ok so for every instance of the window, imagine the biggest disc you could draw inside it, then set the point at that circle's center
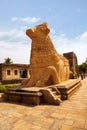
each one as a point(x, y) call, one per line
point(8, 72)
point(15, 72)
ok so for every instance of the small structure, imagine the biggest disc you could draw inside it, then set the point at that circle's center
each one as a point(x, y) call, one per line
point(10, 73)
point(71, 56)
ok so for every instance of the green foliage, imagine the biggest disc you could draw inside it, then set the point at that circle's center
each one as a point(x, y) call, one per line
point(4, 87)
point(83, 66)
point(8, 61)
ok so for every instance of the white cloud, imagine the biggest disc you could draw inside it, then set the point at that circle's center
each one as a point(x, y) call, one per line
point(82, 37)
point(77, 45)
point(13, 36)
point(14, 44)
point(14, 19)
point(19, 53)
point(28, 20)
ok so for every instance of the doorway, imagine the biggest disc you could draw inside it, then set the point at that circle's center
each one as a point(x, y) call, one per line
point(23, 73)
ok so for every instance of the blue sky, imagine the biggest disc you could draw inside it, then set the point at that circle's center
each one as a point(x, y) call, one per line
point(67, 20)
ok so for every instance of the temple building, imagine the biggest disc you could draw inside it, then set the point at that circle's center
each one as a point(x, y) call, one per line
point(13, 72)
point(71, 56)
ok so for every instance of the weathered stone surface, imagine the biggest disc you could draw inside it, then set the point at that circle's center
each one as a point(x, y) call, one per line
point(51, 95)
point(71, 56)
point(47, 67)
point(70, 114)
point(33, 95)
point(48, 70)
point(69, 87)
point(23, 95)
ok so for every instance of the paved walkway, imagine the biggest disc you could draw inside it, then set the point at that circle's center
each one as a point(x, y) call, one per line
point(70, 115)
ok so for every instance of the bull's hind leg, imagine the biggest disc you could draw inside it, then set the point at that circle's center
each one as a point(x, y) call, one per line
point(48, 72)
point(24, 82)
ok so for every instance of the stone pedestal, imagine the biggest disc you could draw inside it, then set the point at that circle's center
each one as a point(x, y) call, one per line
point(48, 94)
point(68, 88)
point(30, 96)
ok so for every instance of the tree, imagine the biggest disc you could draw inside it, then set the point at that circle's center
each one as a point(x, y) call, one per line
point(8, 61)
point(86, 60)
point(83, 66)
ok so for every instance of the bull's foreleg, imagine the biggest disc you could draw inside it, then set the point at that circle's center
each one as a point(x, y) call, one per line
point(49, 71)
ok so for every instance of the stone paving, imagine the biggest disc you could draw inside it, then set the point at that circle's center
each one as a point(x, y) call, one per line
point(69, 115)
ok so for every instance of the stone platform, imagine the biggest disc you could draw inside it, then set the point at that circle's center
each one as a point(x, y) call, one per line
point(19, 94)
point(68, 88)
point(37, 95)
point(71, 114)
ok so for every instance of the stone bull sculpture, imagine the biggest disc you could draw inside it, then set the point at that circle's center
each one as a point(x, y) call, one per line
point(47, 67)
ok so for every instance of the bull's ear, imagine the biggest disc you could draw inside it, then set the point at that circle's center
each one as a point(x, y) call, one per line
point(47, 31)
point(45, 28)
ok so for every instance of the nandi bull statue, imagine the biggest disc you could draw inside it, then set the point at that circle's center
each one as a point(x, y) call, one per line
point(47, 67)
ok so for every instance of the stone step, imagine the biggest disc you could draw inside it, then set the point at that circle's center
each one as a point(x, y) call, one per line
point(54, 92)
point(51, 96)
point(69, 88)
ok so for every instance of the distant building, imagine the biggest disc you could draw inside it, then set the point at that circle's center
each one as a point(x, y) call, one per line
point(71, 56)
point(13, 72)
